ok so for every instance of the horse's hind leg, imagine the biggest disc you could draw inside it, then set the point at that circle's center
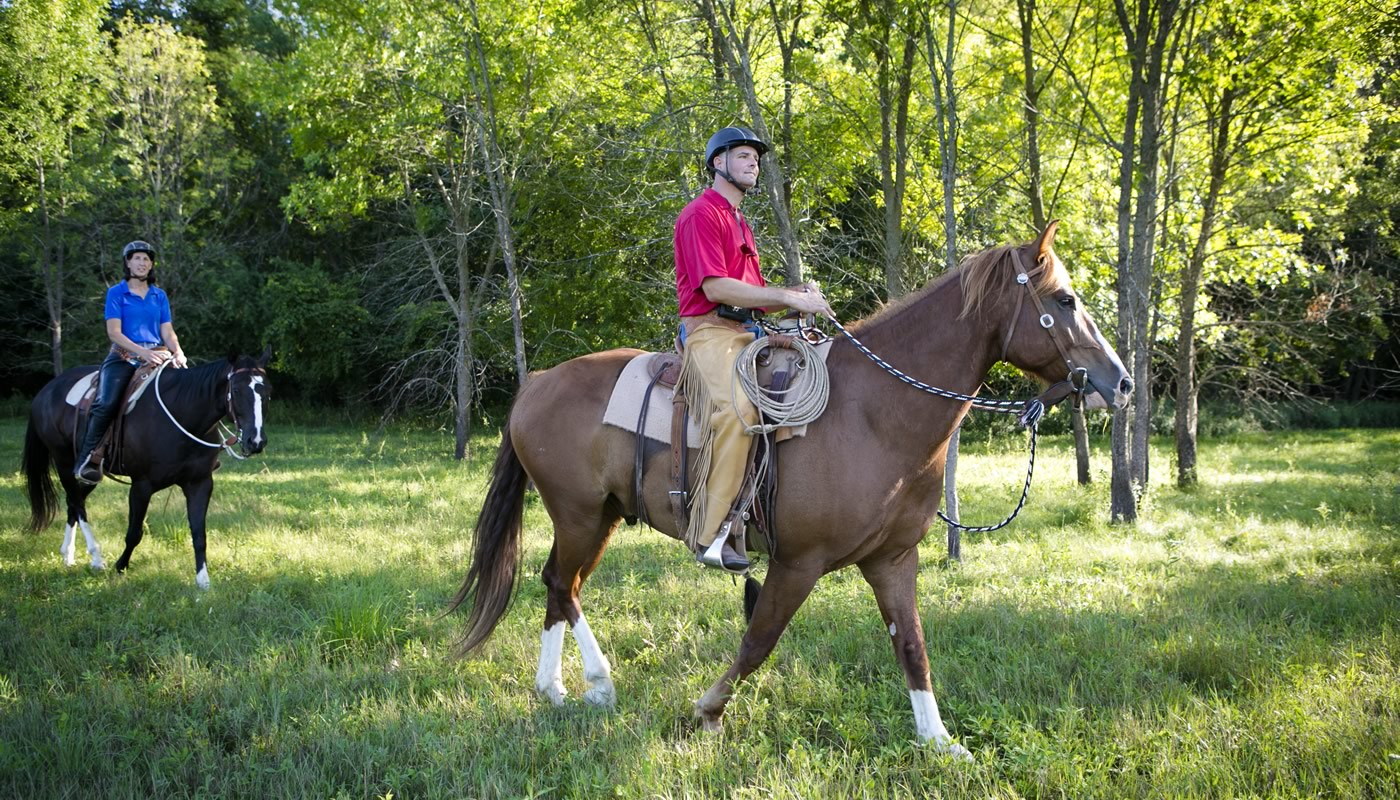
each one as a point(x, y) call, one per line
point(75, 496)
point(782, 594)
point(574, 556)
point(894, 584)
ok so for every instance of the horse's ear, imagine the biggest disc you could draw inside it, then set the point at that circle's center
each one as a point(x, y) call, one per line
point(265, 357)
point(233, 355)
point(1044, 244)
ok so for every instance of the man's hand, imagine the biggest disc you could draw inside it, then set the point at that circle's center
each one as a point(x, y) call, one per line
point(808, 299)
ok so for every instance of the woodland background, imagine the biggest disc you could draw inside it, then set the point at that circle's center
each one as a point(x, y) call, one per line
point(414, 203)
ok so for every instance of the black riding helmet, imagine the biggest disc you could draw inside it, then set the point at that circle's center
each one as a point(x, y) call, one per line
point(726, 138)
point(138, 246)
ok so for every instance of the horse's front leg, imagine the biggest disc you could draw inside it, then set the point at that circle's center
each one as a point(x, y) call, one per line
point(197, 494)
point(783, 591)
point(138, 500)
point(894, 583)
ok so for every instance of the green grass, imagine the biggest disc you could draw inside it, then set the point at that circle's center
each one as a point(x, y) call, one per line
point(1240, 641)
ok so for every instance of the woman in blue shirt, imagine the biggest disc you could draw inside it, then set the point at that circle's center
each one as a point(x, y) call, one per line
point(138, 323)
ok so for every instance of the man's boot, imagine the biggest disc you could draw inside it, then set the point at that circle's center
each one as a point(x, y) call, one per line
point(721, 553)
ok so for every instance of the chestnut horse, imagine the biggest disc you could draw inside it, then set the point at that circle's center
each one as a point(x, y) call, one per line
point(169, 441)
point(868, 491)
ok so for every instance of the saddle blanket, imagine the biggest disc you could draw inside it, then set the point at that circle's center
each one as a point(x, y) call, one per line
point(86, 386)
point(625, 405)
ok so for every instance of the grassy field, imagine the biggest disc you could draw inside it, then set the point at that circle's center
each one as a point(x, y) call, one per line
point(1241, 641)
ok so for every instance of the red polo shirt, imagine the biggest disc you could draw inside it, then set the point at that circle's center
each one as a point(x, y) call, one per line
point(712, 240)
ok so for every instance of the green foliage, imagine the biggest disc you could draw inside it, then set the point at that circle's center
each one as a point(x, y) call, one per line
point(315, 325)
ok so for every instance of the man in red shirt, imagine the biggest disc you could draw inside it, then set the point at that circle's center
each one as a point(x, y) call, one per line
point(720, 291)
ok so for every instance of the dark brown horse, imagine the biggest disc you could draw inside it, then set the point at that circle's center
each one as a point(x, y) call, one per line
point(869, 507)
point(170, 440)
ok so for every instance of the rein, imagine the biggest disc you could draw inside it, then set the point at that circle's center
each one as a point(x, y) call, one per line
point(1029, 412)
point(229, 438)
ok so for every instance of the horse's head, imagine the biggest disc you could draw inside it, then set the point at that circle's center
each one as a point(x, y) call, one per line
point(1048, 333)
point(248, 394)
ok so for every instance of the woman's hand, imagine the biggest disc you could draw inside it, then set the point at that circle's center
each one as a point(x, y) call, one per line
point(155, 357)
point(179, 358)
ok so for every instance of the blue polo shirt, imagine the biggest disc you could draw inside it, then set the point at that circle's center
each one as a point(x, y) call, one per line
point(141, 317)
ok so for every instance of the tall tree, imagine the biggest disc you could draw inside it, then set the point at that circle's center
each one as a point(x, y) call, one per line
point(171, 142)
point(1149, 28)
point(52, 71)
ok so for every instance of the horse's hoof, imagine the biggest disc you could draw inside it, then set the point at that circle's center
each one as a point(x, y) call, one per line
point(98, 562)
point(601, 693)
point(554, 692)
point(201, 579)
point(951, 748)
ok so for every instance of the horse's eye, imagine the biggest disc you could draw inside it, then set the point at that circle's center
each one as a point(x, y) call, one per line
point(1067, 301)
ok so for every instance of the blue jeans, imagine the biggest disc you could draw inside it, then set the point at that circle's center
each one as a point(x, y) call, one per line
point(115, 374)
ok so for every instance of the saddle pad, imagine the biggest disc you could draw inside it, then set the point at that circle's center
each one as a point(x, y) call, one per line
point(625, 405)
point(81, 388)
point(87, 385)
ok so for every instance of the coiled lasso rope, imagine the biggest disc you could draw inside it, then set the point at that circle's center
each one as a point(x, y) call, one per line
point(801, 402)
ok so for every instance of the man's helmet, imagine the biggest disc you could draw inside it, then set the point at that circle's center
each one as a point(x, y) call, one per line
point(138, 246)
point(726, 138)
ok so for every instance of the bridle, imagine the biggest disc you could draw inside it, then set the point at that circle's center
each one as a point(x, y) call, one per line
point(1077, 377)
point(230, 438)
point(1028, 412)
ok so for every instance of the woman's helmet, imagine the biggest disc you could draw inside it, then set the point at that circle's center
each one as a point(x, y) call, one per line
point(138, 246)
point(726, 138)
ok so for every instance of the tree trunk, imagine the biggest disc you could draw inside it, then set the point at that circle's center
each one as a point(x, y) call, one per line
point(946, 119)
point(736, 55)
point(1187, 389)
point(500, 192)
point(1025, 9)
point(894, 90)
point(950, 496)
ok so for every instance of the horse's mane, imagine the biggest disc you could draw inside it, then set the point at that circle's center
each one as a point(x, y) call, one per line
point(197, 384)
point(981, 274)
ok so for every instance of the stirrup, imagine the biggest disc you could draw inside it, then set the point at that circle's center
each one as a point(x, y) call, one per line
point(722, 555)
point(88, 472)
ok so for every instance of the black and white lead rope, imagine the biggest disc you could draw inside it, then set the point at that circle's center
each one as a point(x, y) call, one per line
point(1029, 413)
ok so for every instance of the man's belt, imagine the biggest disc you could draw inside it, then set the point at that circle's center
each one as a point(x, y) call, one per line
point(736, 313)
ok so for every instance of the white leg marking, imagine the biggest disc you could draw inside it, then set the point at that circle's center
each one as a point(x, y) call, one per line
point(929, 725)
point(597, 672)
point(94, 549)
point(549, 679)
point(893, 630)
point(66, 549)
point(257, 411)
point(201, 578)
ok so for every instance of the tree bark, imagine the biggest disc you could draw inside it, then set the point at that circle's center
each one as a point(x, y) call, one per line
point(945, 95)
point(735, 53)
point(1025, 10)
point(1187, 388)
point(950, 496)
point(500, 192)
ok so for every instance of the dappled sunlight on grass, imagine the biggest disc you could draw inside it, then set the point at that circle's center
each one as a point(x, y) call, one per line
point(1240, 637)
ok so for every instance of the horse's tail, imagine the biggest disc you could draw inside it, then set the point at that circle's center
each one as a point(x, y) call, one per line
point(43, 500)
point(496, 553)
